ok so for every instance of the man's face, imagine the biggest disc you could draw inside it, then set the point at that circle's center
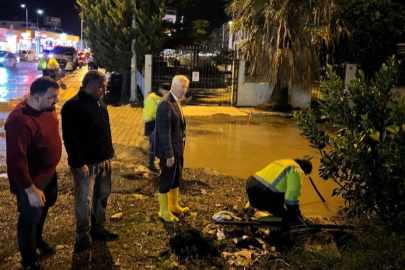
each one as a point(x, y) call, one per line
point(98, 88)
point(48, 100)
point(180, 88)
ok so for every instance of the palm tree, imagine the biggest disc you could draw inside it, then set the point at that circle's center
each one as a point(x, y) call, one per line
point(285, 38)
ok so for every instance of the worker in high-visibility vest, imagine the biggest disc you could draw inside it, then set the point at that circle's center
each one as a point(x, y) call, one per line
point(149, 117)
point(278, 184)
point(48, 65)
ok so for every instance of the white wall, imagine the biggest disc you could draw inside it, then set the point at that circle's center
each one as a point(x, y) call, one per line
point(253, 94)
point(299, 98)
point(250, 94)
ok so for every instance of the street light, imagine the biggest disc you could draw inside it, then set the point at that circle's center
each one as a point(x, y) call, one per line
point(26, 16)
point(39, 12)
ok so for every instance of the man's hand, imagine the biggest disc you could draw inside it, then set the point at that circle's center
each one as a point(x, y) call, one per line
point(35, 196)
point(107, 165)
point(170, 162)
point(82, 172)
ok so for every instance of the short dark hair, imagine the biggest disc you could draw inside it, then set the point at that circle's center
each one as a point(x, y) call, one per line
point(92, 76)
point(41, 85)
point(165, 86)
point(305, 165)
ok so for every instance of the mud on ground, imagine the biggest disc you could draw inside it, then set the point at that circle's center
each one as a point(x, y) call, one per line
point(144, 240)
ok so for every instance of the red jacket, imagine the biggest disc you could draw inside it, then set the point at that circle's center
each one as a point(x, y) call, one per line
point(34, 146)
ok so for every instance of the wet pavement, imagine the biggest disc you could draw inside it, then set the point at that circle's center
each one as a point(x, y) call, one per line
point(15, 81)
point(235, 149)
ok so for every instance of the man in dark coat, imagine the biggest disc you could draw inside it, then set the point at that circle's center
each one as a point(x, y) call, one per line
point(170, 138)
point(87, 137)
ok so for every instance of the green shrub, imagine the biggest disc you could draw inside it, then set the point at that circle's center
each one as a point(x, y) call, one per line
point(366, 157)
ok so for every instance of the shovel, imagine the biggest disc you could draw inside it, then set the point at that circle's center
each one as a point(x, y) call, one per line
point(62, 85)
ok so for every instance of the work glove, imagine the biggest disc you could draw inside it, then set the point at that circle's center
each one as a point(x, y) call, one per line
point(294, 215)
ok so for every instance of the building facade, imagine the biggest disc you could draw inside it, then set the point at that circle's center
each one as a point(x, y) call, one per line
point(16, 35)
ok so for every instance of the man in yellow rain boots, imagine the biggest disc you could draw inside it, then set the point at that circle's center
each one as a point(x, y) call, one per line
point(170, 139)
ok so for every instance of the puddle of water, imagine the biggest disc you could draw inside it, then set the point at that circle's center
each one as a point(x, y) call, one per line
point(241, 150)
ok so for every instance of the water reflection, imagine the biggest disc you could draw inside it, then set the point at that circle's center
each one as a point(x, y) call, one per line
point(241, 150)
point(15, 81)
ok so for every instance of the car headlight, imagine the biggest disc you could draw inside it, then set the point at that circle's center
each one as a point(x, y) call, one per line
point(2, 59)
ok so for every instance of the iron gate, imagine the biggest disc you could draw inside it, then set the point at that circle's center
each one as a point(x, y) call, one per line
point(213, 78)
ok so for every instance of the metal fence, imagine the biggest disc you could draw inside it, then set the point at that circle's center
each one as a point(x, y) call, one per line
point(211, 76)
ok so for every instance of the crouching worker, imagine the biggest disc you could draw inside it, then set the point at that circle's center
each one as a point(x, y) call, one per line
point(279, 184)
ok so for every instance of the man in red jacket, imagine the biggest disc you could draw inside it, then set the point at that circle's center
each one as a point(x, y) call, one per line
point(34, 148)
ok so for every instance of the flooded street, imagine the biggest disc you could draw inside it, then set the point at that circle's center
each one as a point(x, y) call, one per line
point(241, 150)
point(15, 81)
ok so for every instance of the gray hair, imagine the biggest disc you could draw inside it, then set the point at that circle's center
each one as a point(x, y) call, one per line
point(180, 78)
point(93, 76)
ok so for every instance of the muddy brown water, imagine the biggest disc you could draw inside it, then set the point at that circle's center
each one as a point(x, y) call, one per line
point(241, 150)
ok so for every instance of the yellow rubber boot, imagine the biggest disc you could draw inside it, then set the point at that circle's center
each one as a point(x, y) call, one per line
point(164, 212)
point(174, 206)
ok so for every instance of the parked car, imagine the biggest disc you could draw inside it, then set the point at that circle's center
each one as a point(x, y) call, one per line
point(8, 59)
point(64, 55)
point(23, 54)
point(82, 58)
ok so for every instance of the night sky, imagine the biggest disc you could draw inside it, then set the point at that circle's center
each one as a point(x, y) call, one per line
point(64, 9)
point(211, 10)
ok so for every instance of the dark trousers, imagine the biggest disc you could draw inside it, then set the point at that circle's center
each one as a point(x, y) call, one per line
point(31, 220)
point(151, 154)
point(49, 72)
point(170, 176)
point(262, 198)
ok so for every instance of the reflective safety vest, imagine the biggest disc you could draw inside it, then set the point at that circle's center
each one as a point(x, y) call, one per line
point(283, 176)
point(150, 107)
point(50, 64)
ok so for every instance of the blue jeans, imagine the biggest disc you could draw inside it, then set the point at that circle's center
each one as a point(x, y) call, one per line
point(31, 220)
point(91, 195)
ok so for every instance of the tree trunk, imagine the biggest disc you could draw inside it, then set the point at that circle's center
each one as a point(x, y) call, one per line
point(125, 90)
point(279, 99)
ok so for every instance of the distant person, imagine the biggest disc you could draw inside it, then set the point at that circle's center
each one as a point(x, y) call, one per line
point(170, 140)
point(34, 148)
point(92, 66)
point(87, 138)
point(91, 63)
point(48, 65)
point(150, 105)
point(279, 184)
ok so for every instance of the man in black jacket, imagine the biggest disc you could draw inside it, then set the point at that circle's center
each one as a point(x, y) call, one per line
point(88, 143)
point(170, 138)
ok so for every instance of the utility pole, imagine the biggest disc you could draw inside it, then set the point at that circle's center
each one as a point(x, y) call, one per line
point(39, 12)
point(26, 16)
point(81, 35)
point(134, 84)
